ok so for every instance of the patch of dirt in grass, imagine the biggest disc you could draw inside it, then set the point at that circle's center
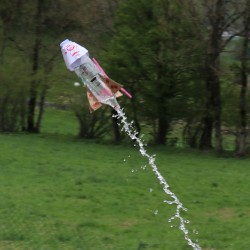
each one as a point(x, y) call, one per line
point(128, 223)
point(226, 213)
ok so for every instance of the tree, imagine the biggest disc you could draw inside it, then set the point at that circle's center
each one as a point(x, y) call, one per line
point(244, 71)
point(8, 17)
point(29, 34)
point(13, 73)
point(221, 16)
point(148, 54)
point(34, 30)
point(43, 50)
point(76, 19)
point(13, 94)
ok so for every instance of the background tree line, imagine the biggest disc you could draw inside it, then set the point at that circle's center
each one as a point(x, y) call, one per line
point(186, 63)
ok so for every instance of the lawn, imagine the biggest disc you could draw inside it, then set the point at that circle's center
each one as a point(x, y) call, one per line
point(58, 192)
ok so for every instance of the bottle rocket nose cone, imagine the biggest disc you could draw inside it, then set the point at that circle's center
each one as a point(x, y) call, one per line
point(64, 42)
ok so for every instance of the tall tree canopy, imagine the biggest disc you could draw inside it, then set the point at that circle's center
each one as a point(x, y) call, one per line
point(150, 52)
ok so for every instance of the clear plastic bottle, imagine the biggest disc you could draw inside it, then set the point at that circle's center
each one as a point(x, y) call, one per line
point(77, 59)
point(89, 74)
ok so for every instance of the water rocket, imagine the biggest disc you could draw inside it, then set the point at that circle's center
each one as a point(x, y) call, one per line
point(100, 88)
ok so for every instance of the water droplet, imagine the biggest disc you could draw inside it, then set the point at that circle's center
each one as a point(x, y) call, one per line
point(195, 231)
point(138, 142)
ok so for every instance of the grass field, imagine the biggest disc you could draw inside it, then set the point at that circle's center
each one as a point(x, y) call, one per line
point(58, 192)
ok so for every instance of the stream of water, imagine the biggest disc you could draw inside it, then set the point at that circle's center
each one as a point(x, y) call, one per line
point(133, 134)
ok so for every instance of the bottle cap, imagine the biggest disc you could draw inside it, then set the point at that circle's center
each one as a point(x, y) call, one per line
point(74, 55)
point(64, 42)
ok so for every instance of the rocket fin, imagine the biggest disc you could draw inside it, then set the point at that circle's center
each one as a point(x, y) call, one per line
point(93, 102)
point(113, 86)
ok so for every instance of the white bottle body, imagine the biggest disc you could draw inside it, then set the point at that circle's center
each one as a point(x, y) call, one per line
point(90, 75)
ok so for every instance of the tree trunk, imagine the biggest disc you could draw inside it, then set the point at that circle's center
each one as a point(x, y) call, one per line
point(35, 64)
point(217, 115)
point(208, 120)
point(45, 87)
point(242, 137)
point(206, 136)
point(213, 106)
point(41, 109)
point(213, 110)
point(116, 130)
point(2, 45)
point(163, 127)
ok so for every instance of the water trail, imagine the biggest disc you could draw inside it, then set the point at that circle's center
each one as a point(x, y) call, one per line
point(132, 133)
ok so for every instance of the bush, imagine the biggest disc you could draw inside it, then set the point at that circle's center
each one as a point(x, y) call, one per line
point(13, 97)
point(91, 125)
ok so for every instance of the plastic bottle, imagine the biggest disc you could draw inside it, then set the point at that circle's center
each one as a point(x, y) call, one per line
point(77, 59)
point(89, 74)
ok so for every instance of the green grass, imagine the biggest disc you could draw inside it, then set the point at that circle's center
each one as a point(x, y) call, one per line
point(58, 192)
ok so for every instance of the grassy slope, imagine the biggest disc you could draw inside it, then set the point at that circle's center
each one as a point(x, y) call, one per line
point(61, 193)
